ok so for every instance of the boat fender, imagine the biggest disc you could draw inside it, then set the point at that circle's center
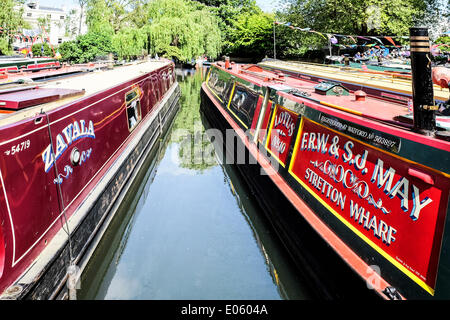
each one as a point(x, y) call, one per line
point(73, 280)
point(392, 293)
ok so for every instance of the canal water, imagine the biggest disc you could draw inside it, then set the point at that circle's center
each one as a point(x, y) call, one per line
point(189, 228)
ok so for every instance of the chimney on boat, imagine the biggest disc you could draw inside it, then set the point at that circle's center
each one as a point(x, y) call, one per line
point(422, 85)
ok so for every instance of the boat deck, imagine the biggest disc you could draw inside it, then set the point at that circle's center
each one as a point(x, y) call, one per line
point(79, 84)
point(371, 107)
point(345, 74)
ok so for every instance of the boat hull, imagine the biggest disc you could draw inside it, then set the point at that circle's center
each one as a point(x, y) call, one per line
point(326, 274)
point(112, 144)
point(328, 202)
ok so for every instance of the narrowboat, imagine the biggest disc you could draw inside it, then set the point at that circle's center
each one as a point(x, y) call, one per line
point(16, 64)
point(351, 187)
point(387, 65)
point(70, 147)
point(387, 85)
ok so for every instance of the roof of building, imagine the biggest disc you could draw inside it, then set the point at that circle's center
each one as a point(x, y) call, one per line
point(50, 9)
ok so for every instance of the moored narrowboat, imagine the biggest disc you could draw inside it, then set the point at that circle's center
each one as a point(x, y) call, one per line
point(392, 86)
point(344, 170)
point(17, 64)
point(70, 146)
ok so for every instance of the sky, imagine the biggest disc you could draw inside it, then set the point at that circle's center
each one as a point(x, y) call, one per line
point(265, 5)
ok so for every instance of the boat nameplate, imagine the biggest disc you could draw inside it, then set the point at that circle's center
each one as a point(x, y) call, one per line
point(376, 138)
point(372, 193)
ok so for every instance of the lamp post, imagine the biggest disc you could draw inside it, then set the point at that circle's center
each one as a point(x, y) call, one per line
point(274, 46)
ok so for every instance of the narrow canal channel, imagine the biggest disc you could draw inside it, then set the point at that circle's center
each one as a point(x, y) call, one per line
point(190, 229)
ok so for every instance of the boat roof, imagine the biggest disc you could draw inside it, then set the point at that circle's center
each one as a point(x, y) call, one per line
point(372, 107)
point(54, 88)
point(388, 80)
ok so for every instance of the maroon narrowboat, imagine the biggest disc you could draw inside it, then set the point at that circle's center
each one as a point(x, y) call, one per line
point(70, 144)
point(346, 172)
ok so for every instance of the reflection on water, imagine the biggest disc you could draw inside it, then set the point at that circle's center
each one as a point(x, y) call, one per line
point(189, 228)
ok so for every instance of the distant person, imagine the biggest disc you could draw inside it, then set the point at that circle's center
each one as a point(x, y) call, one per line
point(346, 60)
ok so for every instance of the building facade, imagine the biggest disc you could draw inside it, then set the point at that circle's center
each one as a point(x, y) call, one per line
point(59, 24)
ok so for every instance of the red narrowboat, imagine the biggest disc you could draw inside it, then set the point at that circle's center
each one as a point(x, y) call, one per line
point(342, 170)
point(17, 64)
point(384, 85)
point(71, 142)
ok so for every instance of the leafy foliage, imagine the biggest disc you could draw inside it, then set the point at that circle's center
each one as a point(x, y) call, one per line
point(11, 21)
point(87, 47)
point(237, 19)
point(128, 42)
point(181, 29)
point(353, 17)
point(252, 35)
point(70, 51)
point(193, 142)
point(38, 52)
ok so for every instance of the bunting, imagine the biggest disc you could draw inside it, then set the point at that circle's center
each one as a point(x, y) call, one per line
point(332, 38)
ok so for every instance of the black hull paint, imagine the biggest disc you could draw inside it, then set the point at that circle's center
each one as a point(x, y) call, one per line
point(327, 274)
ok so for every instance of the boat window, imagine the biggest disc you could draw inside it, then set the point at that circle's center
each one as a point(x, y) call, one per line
point(243, 104)
point(133, 105)
point(220, 85)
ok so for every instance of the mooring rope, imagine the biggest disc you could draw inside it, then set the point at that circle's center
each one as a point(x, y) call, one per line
point(70, 268)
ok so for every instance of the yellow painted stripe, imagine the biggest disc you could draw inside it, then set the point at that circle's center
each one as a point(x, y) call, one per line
point(212, 91)
point(269, 137)
point(415, 278)
point(341, 108)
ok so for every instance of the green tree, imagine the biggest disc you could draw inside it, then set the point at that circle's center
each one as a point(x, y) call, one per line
point(128, 42)
point(229, 13)
point(353, 17)
point(37, 50)
point(11, 23)
point(181, 29)
point(87, 47)
point(82, 4)
point(252, 35)
point(70, 51)
point(99, 16)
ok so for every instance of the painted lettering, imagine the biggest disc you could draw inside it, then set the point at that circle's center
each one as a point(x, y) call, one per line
point(71, 133)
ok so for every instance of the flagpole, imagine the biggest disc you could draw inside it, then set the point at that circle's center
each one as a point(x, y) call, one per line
point(274, 48)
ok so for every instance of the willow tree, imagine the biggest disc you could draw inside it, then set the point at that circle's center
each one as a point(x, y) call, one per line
point(181, 29)
point(128, 42)
point(99, 16)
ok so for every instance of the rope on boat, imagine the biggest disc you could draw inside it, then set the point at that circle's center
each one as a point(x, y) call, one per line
point(72, 269)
